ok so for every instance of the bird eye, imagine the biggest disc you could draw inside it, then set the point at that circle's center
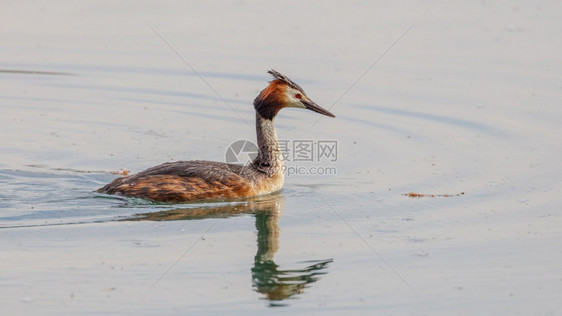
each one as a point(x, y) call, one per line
point(298, 96)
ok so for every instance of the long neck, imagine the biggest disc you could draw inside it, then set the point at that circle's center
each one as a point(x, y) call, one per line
point(269, 159)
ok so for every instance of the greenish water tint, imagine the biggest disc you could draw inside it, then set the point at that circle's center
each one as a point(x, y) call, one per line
point(268, 278)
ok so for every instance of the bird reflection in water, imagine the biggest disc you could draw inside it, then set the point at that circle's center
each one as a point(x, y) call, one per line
point(267, 277)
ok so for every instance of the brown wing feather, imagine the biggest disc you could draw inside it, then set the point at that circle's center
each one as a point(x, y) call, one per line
point(183, 181)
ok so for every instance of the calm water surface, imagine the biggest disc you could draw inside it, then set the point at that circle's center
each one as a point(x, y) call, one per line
point(464, 106)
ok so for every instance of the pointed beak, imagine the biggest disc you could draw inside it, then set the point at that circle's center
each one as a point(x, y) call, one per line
point(316, 108)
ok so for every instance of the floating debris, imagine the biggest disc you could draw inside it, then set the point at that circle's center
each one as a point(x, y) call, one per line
point(420, 195)
point(121, 172)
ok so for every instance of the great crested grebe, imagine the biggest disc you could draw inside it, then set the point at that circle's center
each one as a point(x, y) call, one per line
point(185, 181)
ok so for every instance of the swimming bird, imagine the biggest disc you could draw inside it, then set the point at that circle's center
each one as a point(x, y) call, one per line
point(186, 181)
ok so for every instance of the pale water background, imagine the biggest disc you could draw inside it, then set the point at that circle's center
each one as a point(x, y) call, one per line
point(468, 100)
